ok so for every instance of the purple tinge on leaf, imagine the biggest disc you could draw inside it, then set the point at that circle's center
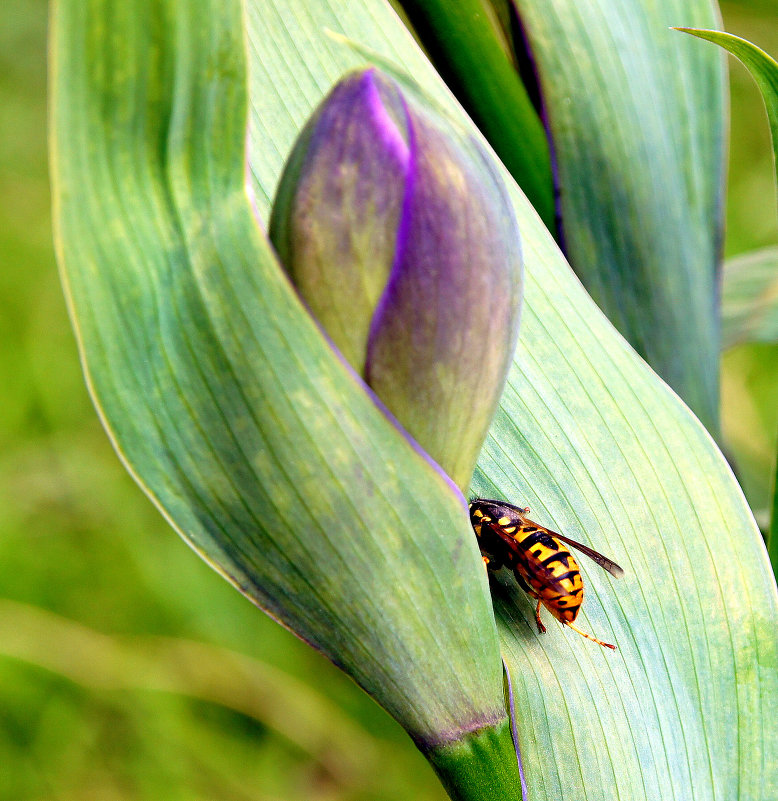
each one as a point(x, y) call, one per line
point(397, 231)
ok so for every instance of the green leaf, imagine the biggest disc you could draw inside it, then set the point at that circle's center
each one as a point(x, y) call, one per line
point(603, 451)
point(762, 67)
point(467, 45)
point(636, 118)
point(749, 298)
point(750, 281)
point(219, 392)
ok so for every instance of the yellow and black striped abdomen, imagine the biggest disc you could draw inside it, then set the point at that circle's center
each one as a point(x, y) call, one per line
point(549, 570)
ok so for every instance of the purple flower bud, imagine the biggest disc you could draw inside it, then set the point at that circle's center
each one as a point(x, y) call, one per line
point(397, 230)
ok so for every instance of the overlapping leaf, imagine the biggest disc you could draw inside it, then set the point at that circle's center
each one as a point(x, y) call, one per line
point(221, 395)
point(636, 119)
point(586, 435)
point(599, 448)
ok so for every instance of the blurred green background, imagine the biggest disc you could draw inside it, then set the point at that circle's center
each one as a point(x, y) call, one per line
point(130, 670)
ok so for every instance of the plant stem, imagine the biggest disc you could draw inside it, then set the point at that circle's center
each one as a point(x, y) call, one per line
point(480, 767)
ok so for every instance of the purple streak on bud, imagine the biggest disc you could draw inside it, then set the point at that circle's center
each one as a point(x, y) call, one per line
point(444, 331)
point(386, 129)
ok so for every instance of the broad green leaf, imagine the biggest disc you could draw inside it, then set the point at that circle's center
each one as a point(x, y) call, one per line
point(602, 450)
point(468, 47)
point(749, 298)
point(636, 119)
point(219, 392)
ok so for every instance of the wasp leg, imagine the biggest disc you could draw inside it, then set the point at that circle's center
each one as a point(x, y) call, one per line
point(589, 637)
point(523, 584)
point(541, 627)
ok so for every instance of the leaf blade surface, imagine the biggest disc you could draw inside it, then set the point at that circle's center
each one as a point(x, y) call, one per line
point(636, 120)
point(589, 438)
point(220, 394)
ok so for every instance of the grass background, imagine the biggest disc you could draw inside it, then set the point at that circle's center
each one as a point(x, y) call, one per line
point(96, 702)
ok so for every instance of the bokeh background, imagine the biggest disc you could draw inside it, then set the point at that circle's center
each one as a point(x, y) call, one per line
point(128, 669)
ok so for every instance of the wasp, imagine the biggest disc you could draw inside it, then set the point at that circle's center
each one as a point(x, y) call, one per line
point(543, 567)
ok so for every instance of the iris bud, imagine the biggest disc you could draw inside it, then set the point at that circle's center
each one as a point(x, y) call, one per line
point(398, 233)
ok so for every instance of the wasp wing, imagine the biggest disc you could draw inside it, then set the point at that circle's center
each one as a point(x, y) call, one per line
point(606, 564)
